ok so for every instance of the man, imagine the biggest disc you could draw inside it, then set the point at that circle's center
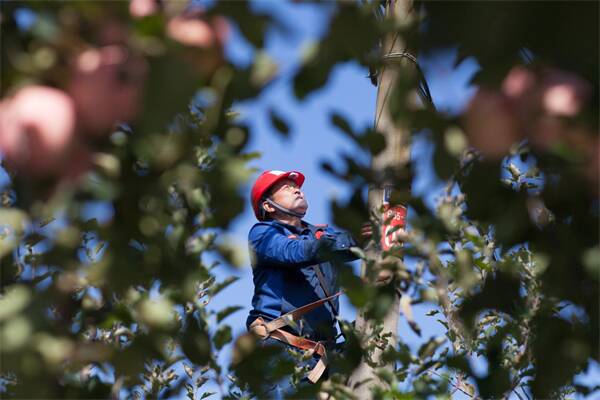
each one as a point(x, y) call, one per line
point(295, 282)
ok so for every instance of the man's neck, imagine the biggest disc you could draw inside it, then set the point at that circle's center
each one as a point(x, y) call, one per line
point(289, 220)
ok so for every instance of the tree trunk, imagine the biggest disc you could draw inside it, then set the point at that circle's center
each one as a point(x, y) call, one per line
point(395, 156)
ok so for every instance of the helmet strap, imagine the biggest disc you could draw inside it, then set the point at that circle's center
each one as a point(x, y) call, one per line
point(285, 210)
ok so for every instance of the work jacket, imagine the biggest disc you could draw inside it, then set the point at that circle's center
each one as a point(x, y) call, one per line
point(283, 260)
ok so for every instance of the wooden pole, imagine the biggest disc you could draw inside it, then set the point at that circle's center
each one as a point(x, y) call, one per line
point(395, 156)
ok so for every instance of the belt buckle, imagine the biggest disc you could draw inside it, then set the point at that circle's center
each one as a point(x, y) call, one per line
point(259, 328)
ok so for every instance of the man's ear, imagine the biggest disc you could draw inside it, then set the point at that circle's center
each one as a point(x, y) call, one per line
point(267, 207)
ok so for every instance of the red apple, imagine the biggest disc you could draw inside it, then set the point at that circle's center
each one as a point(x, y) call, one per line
point(204, 38)
point(143, 8)
point(518, 82)
point(563, 93)
point(491, 124)
point(37, 126)
point(106, 86)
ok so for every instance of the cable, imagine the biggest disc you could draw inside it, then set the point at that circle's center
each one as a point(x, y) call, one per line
point(389, 87)
point(424, 91)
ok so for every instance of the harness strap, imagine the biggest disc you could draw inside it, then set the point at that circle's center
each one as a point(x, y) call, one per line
point(323, 284)
point(294, 315)
point(273, 329)
point(258, 327)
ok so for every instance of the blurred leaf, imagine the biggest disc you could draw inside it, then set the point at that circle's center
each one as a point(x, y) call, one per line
point(12, 224)
point(196, 343)
point(500, 291)
point(352, 34)
point(429, 348)
point(570, 351)
point(227, 311)
point(214, 290)
point(251, 24)
point(343, 124)
point(222, 336)
point(162, 102)
point(14, 300)
point(279, 123)
point(373, 142)
point(406, 308)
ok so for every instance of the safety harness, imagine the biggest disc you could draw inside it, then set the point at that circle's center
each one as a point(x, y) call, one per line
point(272, 329)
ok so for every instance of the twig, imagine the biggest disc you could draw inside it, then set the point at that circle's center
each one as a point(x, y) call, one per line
point(457, 387)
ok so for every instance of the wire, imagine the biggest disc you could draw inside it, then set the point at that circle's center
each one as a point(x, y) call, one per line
point(424, 91)
point(389, 87)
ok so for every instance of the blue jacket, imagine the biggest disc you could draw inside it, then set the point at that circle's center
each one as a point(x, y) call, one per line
point(282, 258)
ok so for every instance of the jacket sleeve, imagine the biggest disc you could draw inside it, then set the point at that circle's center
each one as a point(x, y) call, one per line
point(340, 251)
point(269, 246)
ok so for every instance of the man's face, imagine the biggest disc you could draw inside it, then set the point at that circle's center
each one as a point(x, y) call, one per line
point(287, 194)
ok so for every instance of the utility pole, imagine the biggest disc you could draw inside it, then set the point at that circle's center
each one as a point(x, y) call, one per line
point(396, 156)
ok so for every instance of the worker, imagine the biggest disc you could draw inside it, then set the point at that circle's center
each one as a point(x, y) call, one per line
point(295, 298)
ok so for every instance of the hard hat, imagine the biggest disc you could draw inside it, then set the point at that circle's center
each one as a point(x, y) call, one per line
point(265, 181)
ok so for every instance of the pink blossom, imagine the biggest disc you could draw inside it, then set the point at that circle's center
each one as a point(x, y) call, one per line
point(107, 85)
point(36, 128)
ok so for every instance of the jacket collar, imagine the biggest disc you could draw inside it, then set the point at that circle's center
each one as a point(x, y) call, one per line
point(294, 229)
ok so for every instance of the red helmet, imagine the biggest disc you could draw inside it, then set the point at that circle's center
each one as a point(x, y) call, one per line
point(265, 181)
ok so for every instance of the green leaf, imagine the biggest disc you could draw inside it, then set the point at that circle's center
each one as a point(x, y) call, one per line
point(222, 337)
point(162, 101)
point(221, 315)
point(352, 35)
point(279, 123)
point(342, 123)
point(251, 23)
point(406, 308)
point(500, 291)
point(215, 289)
point(12, 225)
point(428, 349)
point(14, 300)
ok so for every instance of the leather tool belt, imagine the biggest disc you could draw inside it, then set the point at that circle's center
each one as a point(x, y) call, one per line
point(272, 329)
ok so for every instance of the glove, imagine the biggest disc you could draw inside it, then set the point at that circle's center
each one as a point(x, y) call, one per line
point(326, 244)
point(335, 246)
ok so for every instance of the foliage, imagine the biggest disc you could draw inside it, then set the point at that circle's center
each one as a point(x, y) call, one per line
point(508, 260)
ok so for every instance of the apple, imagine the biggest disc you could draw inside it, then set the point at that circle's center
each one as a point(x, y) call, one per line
point(106, 85)
point(37, 126)
point(491, 124)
